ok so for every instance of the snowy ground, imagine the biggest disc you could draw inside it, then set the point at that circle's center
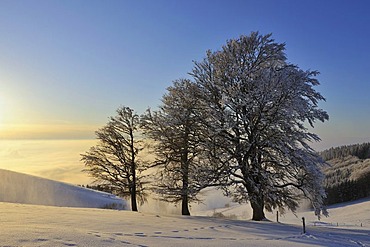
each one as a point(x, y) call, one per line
point(30, 225)
point(21, 188)
point(38, 225)
point(352, 215)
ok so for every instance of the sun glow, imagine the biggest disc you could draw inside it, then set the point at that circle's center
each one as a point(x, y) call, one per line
point(47, 131)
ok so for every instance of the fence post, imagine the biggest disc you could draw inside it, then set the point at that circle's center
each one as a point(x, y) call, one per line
point(304, 225)
point(277, 216)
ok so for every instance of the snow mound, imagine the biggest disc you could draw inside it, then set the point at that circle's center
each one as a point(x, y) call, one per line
point(355, 214)
point(26, 189)
point(34, 226)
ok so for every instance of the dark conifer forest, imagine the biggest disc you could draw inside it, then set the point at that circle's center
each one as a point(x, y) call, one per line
point(347, 173)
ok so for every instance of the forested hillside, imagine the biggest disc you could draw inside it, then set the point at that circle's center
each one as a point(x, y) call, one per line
point(348, 173)
point(361, 151)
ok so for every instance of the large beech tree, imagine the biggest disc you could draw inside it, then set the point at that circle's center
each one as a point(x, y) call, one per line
point(114, 160)
point(260, 108)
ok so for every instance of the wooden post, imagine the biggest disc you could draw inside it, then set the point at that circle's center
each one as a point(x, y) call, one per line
point(277, 216)
point(304, 225)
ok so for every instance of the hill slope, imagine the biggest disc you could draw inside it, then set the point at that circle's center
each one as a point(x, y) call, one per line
point(35, 225)
point(21, 188)
point(29, 225)
point(347, 173)
point(348, 214)
point(347, 179)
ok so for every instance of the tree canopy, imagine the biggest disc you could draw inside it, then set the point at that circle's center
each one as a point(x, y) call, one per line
point(177, 133)
point(241, 122)
point(259, 105)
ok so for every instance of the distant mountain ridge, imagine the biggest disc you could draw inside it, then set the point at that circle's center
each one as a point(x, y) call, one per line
point(348, 173)
point(21, 188)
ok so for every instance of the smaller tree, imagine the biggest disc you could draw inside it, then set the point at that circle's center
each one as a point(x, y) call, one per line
point(114, 160)
point(183, 168)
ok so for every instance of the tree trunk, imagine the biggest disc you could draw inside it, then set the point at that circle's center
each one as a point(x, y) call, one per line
point(258, 208)
point(133, 189)
point(133, 199)
point(133, 173)
point(185, 205)
point(185, 174)
point(184, 196)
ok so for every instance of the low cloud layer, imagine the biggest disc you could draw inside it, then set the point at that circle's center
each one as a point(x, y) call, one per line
point(53, 159)
point(47, 132)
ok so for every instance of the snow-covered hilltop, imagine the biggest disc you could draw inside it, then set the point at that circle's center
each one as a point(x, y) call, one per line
point(31, 226)
point(21, 188)
point(36, 225)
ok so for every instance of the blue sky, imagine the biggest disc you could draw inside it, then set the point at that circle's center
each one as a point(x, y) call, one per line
point(66, 66)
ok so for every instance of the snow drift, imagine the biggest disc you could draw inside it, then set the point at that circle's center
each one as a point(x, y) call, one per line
point(30, 225)
point(21, 188)
point(34, 226)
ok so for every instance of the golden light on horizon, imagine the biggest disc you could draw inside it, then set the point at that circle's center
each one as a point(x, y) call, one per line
point(47, 131)
point(53, 159)
point(8, 107)
point(2, 112)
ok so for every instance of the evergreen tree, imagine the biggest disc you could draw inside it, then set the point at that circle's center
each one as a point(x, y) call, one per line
point(362, 151)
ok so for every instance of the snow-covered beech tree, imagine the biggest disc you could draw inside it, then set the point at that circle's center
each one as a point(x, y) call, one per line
point(260, 109)
point(176, 132)
point(114, 160)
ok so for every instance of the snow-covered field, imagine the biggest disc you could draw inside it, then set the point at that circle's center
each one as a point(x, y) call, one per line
point(38, 225)
point(352, 215)
point(29, 225)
